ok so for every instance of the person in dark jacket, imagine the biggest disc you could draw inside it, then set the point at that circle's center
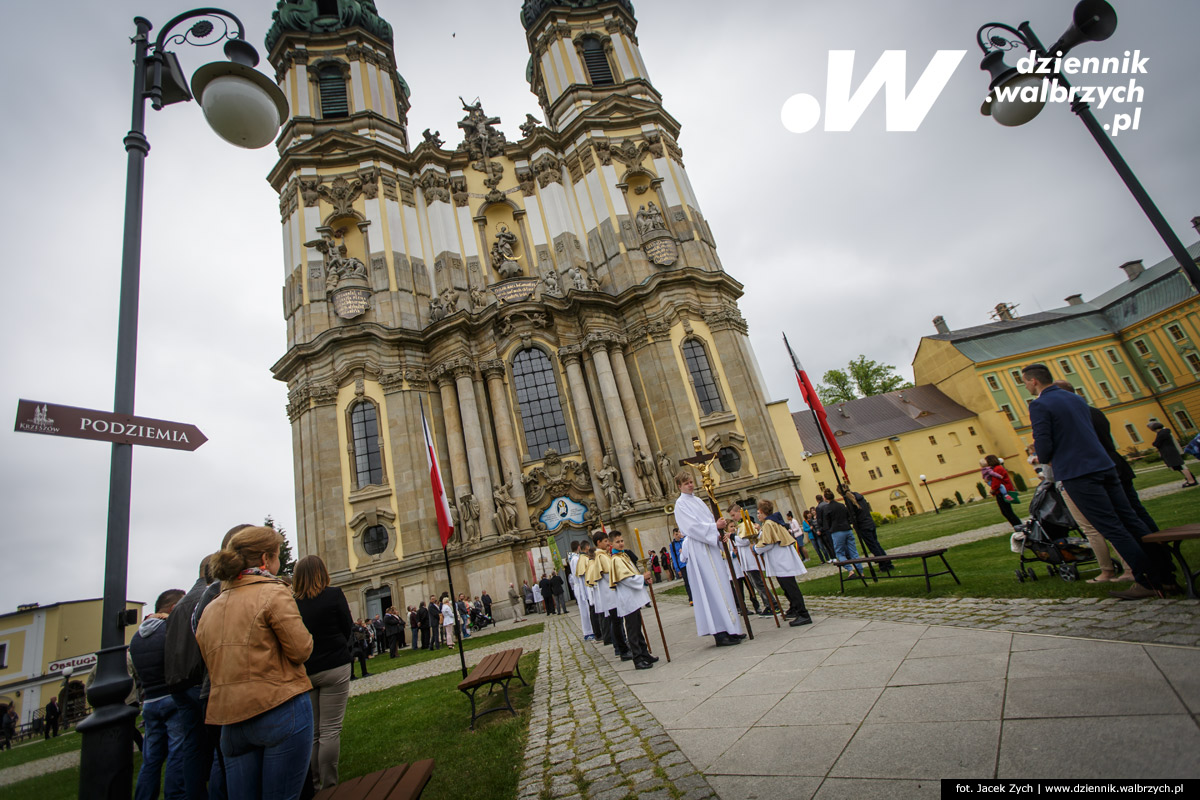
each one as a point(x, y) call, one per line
point(51, 716)
point(423, 625)
point(412, 624)
point(834, 518)
point(486, 599)
point(1164, 443)
point(556, 586)
point(393, 628)
point(360, 648)
point(864, 523)
point(164, 733)
point(326, 614)
point(547, 593)
point(380, 635)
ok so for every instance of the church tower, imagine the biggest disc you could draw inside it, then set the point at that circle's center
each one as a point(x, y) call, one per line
point(554, 306)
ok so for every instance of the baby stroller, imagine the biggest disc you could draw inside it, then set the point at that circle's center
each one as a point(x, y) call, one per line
point(1048, 539)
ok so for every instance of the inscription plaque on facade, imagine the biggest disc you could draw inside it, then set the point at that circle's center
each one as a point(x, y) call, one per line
point(561, 511)
point(514, 291)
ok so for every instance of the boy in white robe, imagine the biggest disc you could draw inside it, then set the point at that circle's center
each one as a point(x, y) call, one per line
point(712, 595)
point(777, 548)
point(606, 601)
point(746, 566)
point(579, 588)
point(631, 596)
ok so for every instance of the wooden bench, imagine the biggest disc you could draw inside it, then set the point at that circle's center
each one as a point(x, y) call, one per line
point(495, 669)
point(1173, 538)
point(924, 555)
point(401, 782)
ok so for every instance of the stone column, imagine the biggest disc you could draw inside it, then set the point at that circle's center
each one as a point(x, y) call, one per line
point(622, 443)
point(593, 453)
point(628, 400)
point(459, 477)
point(481, 482)
point(510, 455)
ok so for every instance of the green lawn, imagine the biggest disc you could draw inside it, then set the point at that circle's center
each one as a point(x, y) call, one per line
point(33, 749)
point(986, 568)
point(1155, 475)
point(424, 719)
point(407, 656)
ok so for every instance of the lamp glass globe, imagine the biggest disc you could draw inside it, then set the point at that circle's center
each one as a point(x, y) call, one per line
point(1017, 112)
point(240, 111)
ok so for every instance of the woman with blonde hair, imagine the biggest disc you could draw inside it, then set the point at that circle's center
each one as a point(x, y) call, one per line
point(326, 614)
point(255, 646)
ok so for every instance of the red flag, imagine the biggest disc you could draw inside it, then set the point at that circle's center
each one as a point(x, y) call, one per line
point(440, 504)
point(809, 395)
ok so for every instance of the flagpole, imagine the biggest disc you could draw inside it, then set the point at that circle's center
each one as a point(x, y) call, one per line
point(462, 658)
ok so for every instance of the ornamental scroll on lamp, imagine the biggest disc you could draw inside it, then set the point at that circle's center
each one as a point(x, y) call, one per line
point(345, 276)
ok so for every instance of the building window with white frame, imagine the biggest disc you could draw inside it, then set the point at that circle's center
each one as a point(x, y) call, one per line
point(1065, 365)
point(1129, 384)
point(1176, 332)
point(1088, 361)
point(1184, 420)
point(1112, 355)
point(992, 383)
point(1159, 376)
point(1141, 347)
point(1132, 430)
point(1105, 390)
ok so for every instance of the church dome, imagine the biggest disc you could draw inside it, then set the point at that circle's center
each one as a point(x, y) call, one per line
point(533, 9)
point(326, 16)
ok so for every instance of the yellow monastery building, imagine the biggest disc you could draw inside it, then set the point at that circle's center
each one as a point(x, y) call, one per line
point(48, 651)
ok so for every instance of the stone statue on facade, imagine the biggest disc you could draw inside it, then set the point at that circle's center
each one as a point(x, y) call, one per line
point(433, 139)
point(478, 298)
point(437, 310)
point(551, 281)
point(504, 259)
point(578, 278)
point(644, 466)
point(529, 125)
point(650, 219)
point(666, 471)
point(449, 299)
point(593, 283)
point(610, 483)
point(468, 515)
point(505, 520)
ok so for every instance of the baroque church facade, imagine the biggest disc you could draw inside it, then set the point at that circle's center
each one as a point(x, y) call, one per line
point(554, 306)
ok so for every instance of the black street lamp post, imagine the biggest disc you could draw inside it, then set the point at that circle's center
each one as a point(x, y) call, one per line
point(924, 483)
point(245, 108)
point(1092, 21)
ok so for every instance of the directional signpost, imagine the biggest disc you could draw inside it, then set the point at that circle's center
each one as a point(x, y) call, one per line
point(105, 426)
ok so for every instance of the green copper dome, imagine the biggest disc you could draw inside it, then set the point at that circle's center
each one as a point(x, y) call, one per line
point(533, 9)
point(326, 16)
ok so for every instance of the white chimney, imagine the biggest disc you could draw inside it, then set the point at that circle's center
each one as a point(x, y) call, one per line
point(1133, 268)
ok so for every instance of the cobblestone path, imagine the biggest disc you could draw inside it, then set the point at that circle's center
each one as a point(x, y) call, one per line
point(590, 737)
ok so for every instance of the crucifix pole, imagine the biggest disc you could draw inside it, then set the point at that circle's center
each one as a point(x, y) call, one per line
point(702, 463)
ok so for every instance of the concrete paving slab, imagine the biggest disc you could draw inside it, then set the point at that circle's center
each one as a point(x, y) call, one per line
point(777, 684)
point(764, 787)
point(1114, 747)
point(859, 676)
point(982, 700)
point(725, 665)
point(774, 751)
point(702, 747)
point(813, 639)
point(1182, 671)
point(689, 688)
point(728, 712)
point(894, 633)
point(1076, 655)
point(931, 750)
point(849, 706)
point(966, 642)
point(803, 660)
point(950, 669)
point(860, 788)
point(1091, 694)
point(865, 654)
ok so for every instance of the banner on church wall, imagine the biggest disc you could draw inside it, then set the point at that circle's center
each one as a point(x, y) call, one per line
point(562, 510)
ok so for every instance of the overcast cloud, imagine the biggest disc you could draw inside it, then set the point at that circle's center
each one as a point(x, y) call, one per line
point(849, 242)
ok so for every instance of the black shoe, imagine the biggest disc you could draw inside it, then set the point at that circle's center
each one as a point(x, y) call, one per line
point(738, 636)
point(626, 656)
point(726, 640)
point(652, 659)
point(765, 613)
point(643, 665)
point(803, 619)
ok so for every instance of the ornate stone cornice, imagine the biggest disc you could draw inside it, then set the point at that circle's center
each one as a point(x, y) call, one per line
point(570, 353)
point(602, 340)
point(321, 394)
point(726, 318)
point(548, 169)
point(435, 185)
point(493, 367)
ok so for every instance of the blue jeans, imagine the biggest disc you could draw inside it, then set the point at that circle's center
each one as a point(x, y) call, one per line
point(163, 744)
point(197, 757)
point(844, 546)
point(266, 757)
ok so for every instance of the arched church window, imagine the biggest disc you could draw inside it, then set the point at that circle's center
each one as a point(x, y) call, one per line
point(331, 84)
point(705, 384)
point(537, 397)
point(596, 61)
point(364, 428)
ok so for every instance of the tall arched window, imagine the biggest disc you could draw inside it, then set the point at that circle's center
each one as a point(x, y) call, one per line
point(702, 377)
point(364, 429)
point(596, 61)
point(537, 396)
point(331, 84)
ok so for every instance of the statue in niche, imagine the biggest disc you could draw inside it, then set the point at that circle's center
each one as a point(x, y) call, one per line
point(449, 298)
point(468, 515)
point(529, 125)
point(650, 219)
point(553, 285)
point(666, 471)
point(505, 520)
point(434, 139)
point(644, 466)
point(610, 483)
point(593, 283)
point(339, 265)
point(437, 310)
point(504, 259)
point(578, 279)
point(478, 298)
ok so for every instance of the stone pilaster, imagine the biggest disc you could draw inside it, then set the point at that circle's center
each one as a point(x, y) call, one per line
point(593, 453)
point(481, 482)
point(459, 476)
point(622, 443)
point(509, 454)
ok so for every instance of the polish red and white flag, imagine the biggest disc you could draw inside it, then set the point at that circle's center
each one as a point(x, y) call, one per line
point(441, 504)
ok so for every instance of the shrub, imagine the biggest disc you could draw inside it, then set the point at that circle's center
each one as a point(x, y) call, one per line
point(982, 489)
point(891, 518)
point(1152, 457)
point(958, 498)
point(1019, 481)
point(878, 518)
point(947, 503)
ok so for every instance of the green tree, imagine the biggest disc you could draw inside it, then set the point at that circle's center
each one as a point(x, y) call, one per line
point(287, 560)
point(863, 377)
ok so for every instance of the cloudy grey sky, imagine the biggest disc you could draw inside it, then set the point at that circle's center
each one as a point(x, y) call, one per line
point(851, 242)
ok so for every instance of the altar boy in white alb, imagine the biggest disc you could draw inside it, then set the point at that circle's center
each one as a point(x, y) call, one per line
point(630, 587)
point(777, 548)
point(708, 574)
point(579, 587)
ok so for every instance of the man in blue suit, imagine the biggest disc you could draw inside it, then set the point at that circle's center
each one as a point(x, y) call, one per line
point(1064, 437)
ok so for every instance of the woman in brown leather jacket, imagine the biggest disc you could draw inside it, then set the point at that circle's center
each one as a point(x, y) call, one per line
point(255, 645)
